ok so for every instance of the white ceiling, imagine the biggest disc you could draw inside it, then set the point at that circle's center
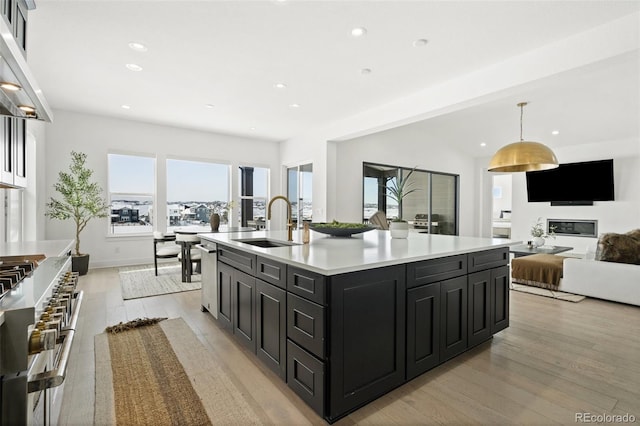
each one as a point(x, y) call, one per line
point(231, 53)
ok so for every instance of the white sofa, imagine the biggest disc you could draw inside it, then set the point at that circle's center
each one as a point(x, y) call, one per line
point(619, 282)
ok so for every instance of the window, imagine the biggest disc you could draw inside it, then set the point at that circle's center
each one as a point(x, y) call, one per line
point(299, 192)
point(131, 193)
point(195, 189)
point(254, 193)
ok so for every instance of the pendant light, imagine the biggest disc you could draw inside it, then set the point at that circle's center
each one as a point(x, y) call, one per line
point(523, 156)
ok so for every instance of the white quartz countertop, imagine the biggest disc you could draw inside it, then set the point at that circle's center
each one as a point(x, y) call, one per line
point(334, 255)
point(49, 248)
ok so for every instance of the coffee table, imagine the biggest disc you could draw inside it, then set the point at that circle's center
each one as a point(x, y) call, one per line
point(524, 250)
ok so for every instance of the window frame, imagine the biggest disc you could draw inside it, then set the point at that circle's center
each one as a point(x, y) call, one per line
point(152, 195)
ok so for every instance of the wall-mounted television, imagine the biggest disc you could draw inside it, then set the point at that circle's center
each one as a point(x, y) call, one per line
point(572, 183)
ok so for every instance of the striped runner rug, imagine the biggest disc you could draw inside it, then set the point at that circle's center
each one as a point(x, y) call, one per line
point(160, 374)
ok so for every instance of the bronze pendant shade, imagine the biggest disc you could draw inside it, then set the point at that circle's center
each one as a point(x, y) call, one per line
point(523, 156)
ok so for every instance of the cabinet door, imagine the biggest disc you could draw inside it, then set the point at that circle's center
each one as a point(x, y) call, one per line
point(367, 336)
point(307, 284)
point(306, 324)
point(271, 324)
point(453, 319)
point(20, 26)
point(243, 301)
point(435, 270)
point(479, 307)
point(423, 329)
point(6, 134)
point(499, 299)
point(271, 271)
point(225, 290)
point(305, 376)
point(20, 152)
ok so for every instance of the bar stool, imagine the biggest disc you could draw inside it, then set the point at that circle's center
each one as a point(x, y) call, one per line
point(188, 254)
point(162, 249)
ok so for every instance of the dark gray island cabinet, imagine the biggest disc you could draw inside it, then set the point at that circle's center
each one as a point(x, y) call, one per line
point(341, 341)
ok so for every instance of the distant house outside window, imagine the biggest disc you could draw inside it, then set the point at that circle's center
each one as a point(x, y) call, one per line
point(131, 193)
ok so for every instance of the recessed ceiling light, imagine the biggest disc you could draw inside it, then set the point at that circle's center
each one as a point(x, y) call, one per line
point(12, 87)
point(280, 86)
point(27, 108)
point(133, 67)
point(125, 107)
point(420, 42)
point(209, 105)
point(252, 128)
point(294, 105)
point(138, 47)
point(555, 132)
point(358, 31)
point(365, 71)
point(483, 144)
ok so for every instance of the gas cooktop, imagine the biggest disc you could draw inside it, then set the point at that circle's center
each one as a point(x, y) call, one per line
point(13, 272)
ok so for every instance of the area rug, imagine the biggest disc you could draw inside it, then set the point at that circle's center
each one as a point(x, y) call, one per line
point(141, 281)
point(160, 374)
point(547, 293)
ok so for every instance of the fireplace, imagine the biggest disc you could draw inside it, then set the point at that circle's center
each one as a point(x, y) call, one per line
point(573, 227)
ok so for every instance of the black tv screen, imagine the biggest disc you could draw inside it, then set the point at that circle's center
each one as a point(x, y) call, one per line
point(572, 183)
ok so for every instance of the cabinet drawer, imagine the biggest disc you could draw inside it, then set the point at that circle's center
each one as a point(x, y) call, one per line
point(306, 284)
point(488, 259)
point(272, 272)
point(431, 271)
point(305, 324)
point(239, 259)
point(305, 376)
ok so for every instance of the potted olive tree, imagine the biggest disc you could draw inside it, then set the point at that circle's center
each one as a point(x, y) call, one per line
point(397, 190)
point(80, 200)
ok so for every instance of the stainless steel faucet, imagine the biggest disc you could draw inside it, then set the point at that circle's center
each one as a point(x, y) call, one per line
point(289, 214)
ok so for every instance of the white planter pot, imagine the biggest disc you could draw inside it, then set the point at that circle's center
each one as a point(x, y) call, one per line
point(399, 229)
point(538, 241)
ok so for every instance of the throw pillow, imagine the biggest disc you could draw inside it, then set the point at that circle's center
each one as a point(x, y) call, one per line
point(620, 248)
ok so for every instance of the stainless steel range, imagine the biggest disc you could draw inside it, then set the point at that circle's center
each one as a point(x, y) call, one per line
point(38, 318)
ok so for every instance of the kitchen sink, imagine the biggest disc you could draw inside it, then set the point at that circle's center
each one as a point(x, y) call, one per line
point(266, 243)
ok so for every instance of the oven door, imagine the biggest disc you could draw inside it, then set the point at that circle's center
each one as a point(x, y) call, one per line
point(47, 372)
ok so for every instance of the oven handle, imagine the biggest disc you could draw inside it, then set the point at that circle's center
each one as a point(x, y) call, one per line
point(51, 379)
point(205, 248)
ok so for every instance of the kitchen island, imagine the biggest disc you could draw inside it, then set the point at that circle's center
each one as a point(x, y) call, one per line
point(346, 320)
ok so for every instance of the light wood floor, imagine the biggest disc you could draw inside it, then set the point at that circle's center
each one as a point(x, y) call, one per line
point(555, 360)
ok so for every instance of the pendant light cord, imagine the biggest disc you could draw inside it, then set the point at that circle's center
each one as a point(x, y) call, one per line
point(521, 113)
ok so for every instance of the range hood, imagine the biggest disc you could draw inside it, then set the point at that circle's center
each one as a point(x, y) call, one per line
point(28, 101)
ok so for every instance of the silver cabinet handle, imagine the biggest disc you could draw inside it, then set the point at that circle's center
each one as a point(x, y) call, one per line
point(51, 379)
point(206, 249)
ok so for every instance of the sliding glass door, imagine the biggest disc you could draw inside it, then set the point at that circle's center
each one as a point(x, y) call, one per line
point(432, 208)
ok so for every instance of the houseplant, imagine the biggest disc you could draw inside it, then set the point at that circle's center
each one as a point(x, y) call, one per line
point(538, 234)
point(81, 200)
point(397, 190)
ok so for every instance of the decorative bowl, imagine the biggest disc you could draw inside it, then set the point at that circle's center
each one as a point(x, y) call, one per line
point(340, 229)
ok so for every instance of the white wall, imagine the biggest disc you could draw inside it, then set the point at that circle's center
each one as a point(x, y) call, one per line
point(621, 215)
point(97, 136)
